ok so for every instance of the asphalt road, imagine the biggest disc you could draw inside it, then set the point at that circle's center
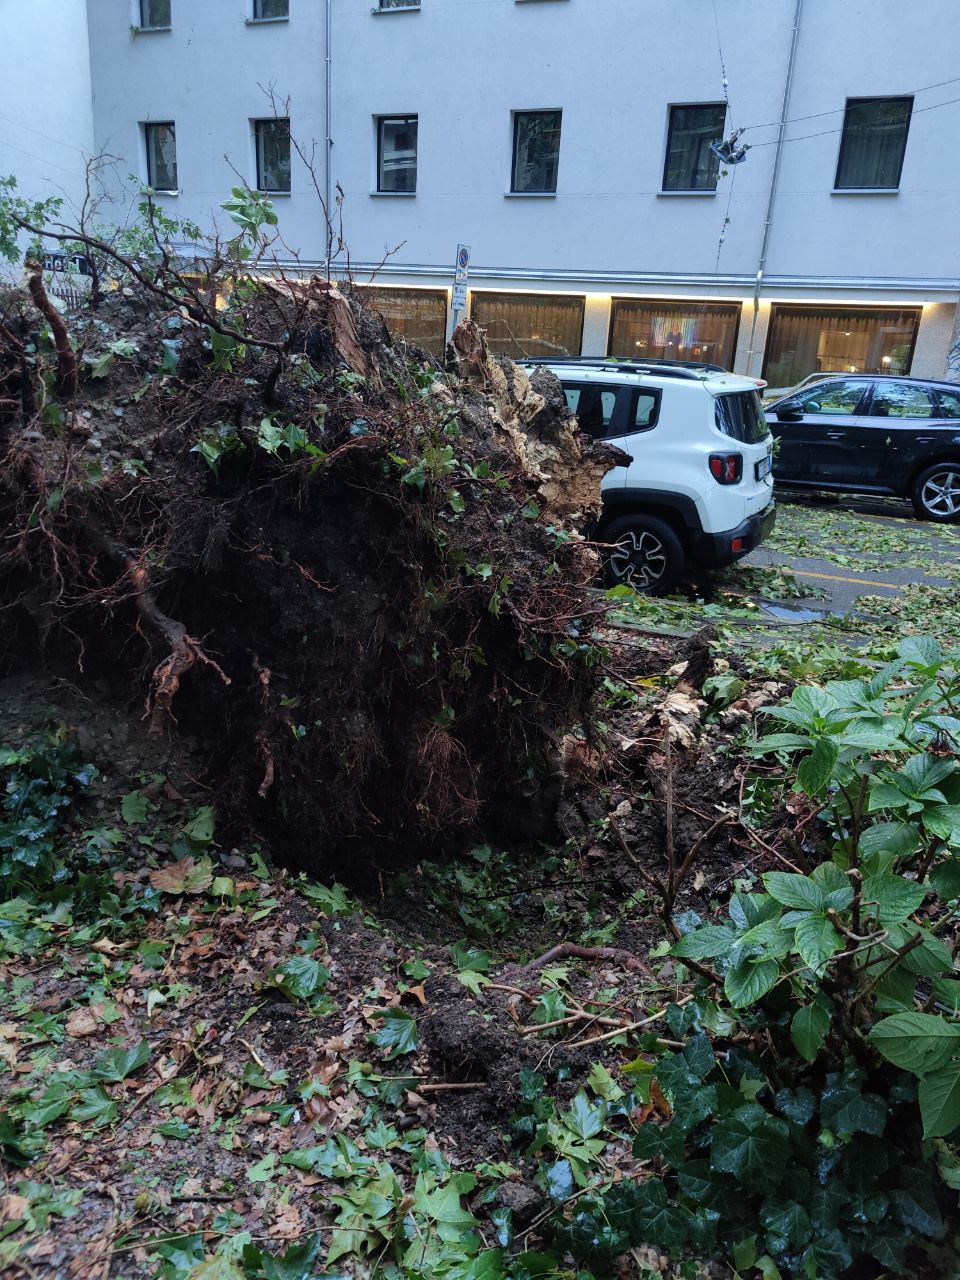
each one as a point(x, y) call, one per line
point(843, 584)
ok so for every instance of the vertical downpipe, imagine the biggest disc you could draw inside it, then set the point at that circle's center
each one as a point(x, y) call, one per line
point(768, 221)
point(328, 126)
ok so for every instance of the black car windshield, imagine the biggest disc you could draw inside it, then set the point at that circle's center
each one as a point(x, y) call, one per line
point(739, 415)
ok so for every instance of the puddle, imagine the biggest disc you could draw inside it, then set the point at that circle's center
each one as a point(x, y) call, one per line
point(798, 612)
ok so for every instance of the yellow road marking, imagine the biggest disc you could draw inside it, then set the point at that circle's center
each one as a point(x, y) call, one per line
point(861, 582)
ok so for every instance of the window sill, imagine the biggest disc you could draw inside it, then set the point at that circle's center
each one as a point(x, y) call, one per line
point(685, 195)
point(400, 8)
point(148, 31)
point(163, 191)
point(394, 195)
point(865, 191)
point(274, 195)
point(264, 22)
point(529, 195)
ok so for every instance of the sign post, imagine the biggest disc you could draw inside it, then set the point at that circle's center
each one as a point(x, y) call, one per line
point(461, 275)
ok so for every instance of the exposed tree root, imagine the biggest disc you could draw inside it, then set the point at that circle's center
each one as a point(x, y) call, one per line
point(573, 951)
point(67, 377)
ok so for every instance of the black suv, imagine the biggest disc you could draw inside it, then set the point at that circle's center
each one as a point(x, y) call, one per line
point(873, 434)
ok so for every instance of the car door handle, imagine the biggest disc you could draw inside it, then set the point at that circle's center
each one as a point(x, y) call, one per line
point(926, 439)
point(836, 435)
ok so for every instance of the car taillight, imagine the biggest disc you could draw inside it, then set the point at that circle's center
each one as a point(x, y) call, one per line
point(726, 468)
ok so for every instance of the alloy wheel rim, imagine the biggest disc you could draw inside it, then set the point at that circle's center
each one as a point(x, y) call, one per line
point(639, 560)
point(940, 494)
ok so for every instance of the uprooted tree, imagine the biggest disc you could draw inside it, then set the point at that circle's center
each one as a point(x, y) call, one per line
point(350, 573)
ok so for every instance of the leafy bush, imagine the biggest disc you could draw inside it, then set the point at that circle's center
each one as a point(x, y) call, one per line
point(40, 785)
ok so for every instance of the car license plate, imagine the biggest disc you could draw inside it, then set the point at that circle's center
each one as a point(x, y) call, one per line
point(764, 466)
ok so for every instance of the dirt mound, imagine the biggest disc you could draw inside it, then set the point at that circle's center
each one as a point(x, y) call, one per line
point(352, 575)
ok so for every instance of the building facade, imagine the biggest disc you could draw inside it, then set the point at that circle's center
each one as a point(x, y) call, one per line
point(587, 151)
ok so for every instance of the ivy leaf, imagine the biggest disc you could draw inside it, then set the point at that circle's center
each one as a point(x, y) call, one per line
point(752, 1145)
point(844, 1109)
point(119, 1063)
point(220, 1267)
point(794, 890)
point(201, 827)
point(939, 1097)
point(808, 1030)
point(263, 1170)
point(94, 1106)
point(748, 981)
point(443, 1208)
point(788, 1220)
point(301, 977)
point(467, 957)
point(397, 1034)
point(134, 807)
point(297, 1263)
point(916, 1042)
point(583, 1119)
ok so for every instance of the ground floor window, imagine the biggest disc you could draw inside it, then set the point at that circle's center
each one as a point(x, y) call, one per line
point(704, 332)
point(418, 316)
point(530, 324)
point(807, 339)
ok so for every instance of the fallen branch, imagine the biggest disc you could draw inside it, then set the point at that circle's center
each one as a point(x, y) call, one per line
point(628, 1026)
point(573, 951)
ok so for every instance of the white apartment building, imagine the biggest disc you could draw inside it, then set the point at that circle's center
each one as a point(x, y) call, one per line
point(569, 143)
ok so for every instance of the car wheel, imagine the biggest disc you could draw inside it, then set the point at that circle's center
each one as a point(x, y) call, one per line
point(643, 552)
point(936, 492)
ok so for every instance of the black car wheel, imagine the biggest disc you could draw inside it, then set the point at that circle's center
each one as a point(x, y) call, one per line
point(936, 492)
point(643, 553)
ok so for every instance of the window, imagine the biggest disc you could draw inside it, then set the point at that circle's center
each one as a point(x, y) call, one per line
point(264, 10)
point(417, 316)
point(740, 416)
point(901, 400)
point(805, 340)
point(690, 164)
point(154, 14)
point(646, 410)
point(536, 151)
point(704, 332)
point(529, 324)
point(593, 406)
point(838, 396)
point(161, 140)
point(397, 153)
point(949, 404)
point(273, 155)
point(399, 4)
point(872, 144)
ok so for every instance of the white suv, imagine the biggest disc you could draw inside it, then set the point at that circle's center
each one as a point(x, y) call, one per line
point(698, 491)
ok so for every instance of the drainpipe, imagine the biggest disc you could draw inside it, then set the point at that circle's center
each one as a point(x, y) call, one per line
point(768, 222)
point(327, 124)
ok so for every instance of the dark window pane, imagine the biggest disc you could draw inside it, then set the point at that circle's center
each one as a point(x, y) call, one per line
point(702, 332)
point(155, 13)
point(740, 416)
point(399, 4)
point(161, 156)
point(536, 150)
point(397, 153)
point(835, 397)
point(417, 316)
point(901, 400)
point(806, 340)
point(690, 164)
point(873, 142)
point(271, 8)
point(645, 413)
point(594, 406)
point(273, 155)
point(949, 404)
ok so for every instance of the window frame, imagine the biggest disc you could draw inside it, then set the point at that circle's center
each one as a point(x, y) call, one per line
point(385, 6)
point(859, 102)
point(148, 127)
point(379, 122)
point(515, 130)
point(685, 106)
point(143, 8)
point(873, 313)
point(257, 123)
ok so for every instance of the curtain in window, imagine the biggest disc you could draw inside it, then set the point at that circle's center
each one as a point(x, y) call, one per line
point(705, 332)
point(873, 143)
point(536, 150)
point(418, 316)
point(690, 164)
point(807, 340)
point(529, 324)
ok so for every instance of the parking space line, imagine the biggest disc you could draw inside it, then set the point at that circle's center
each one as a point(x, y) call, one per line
point(860, 582)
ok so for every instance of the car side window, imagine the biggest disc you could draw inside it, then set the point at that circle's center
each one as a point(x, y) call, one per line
point(834, 397)
point(645, 410)
point(949, 404)
point(594, 407)
point(901, 400)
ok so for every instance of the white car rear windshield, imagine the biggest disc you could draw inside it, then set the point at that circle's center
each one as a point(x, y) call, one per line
point(739, 415)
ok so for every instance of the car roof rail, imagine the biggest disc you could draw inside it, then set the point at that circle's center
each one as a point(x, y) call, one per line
point(665, 369)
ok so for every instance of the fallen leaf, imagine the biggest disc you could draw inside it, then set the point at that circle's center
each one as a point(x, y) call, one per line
point(287, 1224)
point(189, 875)
point(13, 1208)
point(85, 1021)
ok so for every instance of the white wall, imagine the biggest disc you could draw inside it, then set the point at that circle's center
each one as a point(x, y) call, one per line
point(46, 117)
